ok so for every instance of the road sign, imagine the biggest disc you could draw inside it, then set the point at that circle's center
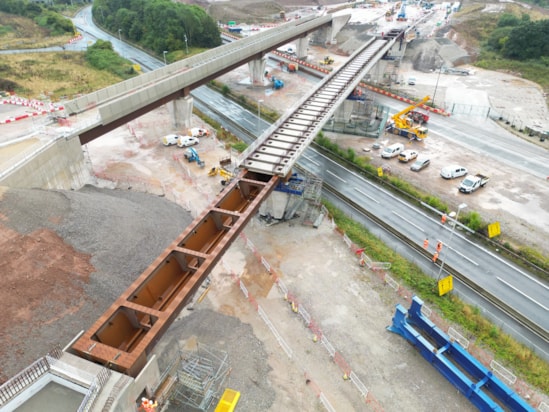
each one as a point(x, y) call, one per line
point(494, 229)
point(445, 285)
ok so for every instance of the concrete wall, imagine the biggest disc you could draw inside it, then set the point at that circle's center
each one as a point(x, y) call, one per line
point(57, 165)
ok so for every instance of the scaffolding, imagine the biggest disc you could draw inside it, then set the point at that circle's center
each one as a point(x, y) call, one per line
point(199, 377)
point(311, 195)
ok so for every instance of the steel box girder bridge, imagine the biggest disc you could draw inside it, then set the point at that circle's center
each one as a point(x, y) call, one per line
point(125, 334)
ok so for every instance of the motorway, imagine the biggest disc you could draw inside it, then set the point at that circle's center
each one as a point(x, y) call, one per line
point(512, 284)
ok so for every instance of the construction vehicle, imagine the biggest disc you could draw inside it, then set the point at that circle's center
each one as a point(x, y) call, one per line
point(403, 125)
point(277, 83)
point(192, 156)
point(401, 16)
point(290, 67)
point(224, 173)
point(327, 61)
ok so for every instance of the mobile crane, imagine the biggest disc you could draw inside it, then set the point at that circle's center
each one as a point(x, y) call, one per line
point(402, 125)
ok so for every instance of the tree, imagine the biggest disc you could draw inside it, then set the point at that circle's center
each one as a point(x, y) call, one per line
point(528, 41)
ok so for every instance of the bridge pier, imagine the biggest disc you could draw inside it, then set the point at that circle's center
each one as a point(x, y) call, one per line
point(301, 47)
point(257, 71)
point(181, 111)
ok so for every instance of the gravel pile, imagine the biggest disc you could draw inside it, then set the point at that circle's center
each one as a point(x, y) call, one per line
point(123, 232)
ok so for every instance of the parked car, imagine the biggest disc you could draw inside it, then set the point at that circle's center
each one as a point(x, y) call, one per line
point(420, 164)
point(407, 155)
point(170, 139)
point(411, 81)
point(453, 171)
point(392, 150)
point(185, 141)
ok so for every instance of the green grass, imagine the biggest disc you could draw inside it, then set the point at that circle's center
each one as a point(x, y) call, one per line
point(529, 366)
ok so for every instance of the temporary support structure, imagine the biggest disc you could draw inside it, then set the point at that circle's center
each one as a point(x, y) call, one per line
point(200, 377)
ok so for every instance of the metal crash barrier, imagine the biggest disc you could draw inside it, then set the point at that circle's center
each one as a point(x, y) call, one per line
point(463, 370)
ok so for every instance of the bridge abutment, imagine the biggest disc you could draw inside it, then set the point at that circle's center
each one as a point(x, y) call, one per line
point(57, 165)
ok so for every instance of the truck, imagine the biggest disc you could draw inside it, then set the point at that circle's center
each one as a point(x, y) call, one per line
point(403, 124)
point(473, 182)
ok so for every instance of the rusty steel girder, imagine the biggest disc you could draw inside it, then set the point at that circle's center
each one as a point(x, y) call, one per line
point(125, 334)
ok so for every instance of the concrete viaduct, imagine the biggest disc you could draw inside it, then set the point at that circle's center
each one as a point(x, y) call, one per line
point(125, 101)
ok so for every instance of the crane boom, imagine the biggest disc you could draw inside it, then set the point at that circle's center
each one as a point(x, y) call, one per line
point(410, 108)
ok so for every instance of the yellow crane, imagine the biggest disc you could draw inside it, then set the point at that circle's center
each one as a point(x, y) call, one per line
point(403, 125)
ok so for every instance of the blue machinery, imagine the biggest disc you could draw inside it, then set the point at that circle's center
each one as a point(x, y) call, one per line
point(463, 370)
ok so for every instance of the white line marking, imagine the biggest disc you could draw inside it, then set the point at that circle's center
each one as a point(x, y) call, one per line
point(364, 194)
point(461, 254)
point(334, 175)
point(311, 160)
point(406, 220)
point(522, 293)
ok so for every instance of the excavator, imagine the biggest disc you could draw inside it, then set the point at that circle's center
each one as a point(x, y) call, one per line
point(403, 125)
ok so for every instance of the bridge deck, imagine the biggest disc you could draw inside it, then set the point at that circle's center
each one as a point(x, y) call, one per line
point(125, 334)
point(278, 149)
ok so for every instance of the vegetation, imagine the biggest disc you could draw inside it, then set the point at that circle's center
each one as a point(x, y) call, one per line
point(43, 15)
point(158, 25)
point(513, 41)
point(102, 56)
point(53, 75)
point(523, 360)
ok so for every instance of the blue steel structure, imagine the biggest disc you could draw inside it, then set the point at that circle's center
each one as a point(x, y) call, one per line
point(464, 371)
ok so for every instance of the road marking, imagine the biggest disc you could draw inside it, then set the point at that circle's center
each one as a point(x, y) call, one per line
point(461, 254)
point(334, 175)
point(310, 160)
point(406, 220)
point(522, 293)
point(364, 194)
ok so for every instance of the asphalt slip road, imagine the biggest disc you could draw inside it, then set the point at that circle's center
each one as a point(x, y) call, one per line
point(511, 284)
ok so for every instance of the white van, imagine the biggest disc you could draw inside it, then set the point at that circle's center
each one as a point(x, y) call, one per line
point(453, 171)
point(185, 141)
point(392, 150)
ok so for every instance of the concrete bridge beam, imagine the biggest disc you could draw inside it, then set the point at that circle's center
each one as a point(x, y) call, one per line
point(181, 111)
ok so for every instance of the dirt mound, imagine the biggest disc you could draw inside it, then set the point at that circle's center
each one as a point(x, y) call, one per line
point(66, 256)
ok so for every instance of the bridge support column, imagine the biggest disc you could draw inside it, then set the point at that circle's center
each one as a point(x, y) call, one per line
point(257, 71)
point(181, 111)
point(344, 111)
point(302, 46)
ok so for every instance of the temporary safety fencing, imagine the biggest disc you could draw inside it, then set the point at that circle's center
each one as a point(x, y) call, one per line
point(381, 270)
point(404, 99)
point(40, 108)
point(299, 309)
point(283, 344)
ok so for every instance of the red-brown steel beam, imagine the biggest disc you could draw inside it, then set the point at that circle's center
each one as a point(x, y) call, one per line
point(125, 334)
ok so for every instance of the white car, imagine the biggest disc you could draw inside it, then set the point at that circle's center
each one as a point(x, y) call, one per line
point(407, 155)
point(185, 141)
point(171, 139)
point(453, 171)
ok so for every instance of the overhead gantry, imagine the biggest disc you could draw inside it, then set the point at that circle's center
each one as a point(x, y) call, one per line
point(124, 336)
